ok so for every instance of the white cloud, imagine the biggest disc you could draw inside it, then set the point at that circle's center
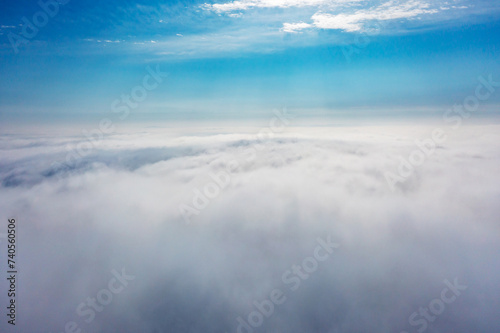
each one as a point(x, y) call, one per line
point(295, 27)
point(247, 4)
point(243, 28)
point(118, 207)
point(339, 15)
point(388, 11)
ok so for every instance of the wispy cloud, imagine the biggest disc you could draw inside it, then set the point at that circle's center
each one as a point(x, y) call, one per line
point(345, 15)
point(247, 4)
point(251, 26)
point(388, 11)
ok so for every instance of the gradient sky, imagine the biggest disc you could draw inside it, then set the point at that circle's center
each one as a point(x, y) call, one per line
point(242, 58)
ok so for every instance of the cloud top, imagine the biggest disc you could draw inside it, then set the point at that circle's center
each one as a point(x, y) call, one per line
point(119, 208)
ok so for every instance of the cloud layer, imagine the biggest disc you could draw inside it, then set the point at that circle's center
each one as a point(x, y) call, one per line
point(118, 207)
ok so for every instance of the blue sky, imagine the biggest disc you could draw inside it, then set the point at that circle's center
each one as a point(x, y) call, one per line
point(243, 58)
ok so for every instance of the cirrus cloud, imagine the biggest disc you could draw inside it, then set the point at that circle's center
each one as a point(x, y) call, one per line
point(247, 4)
point(340, 15)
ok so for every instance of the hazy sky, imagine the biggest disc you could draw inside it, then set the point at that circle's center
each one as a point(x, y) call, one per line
point(237, 58)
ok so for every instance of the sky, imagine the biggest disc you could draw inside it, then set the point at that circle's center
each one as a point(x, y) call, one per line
point(173, 165)
point(240, 59)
